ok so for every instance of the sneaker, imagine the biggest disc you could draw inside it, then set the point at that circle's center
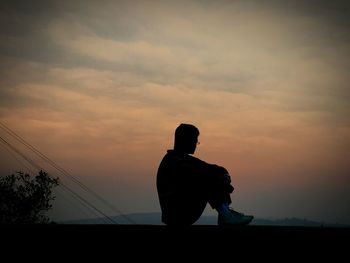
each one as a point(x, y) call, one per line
point(234, 218)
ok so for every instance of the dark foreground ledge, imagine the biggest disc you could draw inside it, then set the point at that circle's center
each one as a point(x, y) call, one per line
point(163, 230)
point(319, 241)
point(131, 231)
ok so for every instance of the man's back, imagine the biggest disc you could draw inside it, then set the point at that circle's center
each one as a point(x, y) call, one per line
point(176, 179)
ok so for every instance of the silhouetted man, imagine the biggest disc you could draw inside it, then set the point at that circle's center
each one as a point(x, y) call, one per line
point(186, 184)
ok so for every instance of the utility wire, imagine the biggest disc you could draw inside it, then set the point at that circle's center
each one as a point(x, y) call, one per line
point(62, 192)
point(6, 147)
point(20, 153)
point(84, 201)
point(63, 171)
point(75, 195)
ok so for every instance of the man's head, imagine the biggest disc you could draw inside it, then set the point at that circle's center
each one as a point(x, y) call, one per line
point(186, 138)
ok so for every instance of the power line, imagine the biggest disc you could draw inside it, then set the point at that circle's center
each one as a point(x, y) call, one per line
point(63, 192)
point(20, 153)
point(6, 147)
point(63, 171)
point(87, 203)
point(75, 195)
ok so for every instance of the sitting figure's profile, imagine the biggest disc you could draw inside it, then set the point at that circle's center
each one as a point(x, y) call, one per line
point(185, 184)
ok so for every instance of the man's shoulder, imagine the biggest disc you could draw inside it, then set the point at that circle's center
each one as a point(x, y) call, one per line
point(173, 156)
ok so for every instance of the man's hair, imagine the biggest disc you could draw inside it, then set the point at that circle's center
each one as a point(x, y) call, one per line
point(185, 132)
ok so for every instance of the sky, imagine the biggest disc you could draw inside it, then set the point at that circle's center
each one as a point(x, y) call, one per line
point(100, 86)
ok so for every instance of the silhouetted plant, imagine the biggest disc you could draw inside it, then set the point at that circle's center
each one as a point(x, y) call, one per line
point(24, 199)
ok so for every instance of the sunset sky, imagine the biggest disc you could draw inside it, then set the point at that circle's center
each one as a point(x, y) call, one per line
point(100, 86)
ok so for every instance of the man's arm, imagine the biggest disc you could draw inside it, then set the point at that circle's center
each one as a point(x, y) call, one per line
point(203, 169)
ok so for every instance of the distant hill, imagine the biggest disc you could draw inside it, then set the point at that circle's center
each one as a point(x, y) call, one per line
point(155, 219)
